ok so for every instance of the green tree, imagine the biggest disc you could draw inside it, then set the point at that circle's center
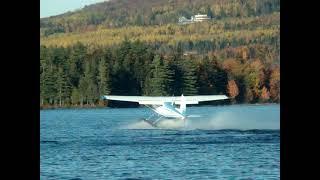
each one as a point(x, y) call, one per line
point(76, 58)
point(43, 87)
point(75, 96)
point(139, 20)
point(83, 85)
point(48, 91)
point(92, 89)
point(87, 86)
point(189, 78)
point(92, 92)
point(210, 12)
point(103, 78)
point(62, 86)
point(222, 13)
point(158, 79)
point(211, 78)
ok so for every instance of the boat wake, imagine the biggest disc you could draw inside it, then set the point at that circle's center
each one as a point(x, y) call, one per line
point(233, 120)
point(218, 121)
point(138, 125)
point(163, 124)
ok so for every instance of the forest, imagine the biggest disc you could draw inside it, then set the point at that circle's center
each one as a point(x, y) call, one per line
point(76, 76)
point(136, 47)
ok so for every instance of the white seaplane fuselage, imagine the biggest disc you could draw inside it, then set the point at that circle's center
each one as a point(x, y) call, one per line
point(169, 111)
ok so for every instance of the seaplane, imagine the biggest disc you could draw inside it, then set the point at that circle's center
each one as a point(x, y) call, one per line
point(165, 106)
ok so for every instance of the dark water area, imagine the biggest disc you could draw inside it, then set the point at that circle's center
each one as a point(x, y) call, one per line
point(219, 142)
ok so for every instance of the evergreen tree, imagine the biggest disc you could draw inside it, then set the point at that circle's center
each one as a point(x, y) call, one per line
point(76, 59)
point(83, 85)
point(139, 20)
point(189, 78)
point(175, 86)
point(43, 93)
point(89, 89)
point(75, 96)
point(103, 78)
point(179, 51)
point(158, 79)
point(50, 90)
point(62, 86)
point(211, 78)
point(92, 92)
point(222, 13)
point(209, 12)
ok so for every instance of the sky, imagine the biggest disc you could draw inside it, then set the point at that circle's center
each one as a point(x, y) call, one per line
point(55, 7)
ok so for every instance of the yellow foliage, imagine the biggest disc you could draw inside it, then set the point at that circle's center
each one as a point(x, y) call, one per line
point(213, 30)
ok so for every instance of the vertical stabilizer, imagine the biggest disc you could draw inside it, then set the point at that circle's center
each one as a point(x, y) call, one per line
point(183, 106)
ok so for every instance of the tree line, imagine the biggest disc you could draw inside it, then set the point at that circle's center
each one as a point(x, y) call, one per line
point(78, 75)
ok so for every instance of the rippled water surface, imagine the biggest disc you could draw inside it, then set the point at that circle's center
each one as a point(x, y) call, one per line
point(218, 142)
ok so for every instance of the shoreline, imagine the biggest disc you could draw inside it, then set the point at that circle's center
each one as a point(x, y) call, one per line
point(139, 106)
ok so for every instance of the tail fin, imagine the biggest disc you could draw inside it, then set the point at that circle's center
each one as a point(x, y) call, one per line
point(183, 106)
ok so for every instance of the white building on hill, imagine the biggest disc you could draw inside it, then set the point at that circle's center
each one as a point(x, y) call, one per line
point(195, 18)
point(200, 17)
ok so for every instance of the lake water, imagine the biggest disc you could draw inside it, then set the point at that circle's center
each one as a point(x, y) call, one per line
point(225, 142)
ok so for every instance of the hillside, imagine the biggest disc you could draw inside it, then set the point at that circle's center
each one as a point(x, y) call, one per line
point(137, 47)
point(119, 13)
point(232, 29)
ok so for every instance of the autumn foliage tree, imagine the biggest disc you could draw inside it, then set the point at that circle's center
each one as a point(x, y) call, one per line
point(233, 90)
point(275, 85)
point(265, 95)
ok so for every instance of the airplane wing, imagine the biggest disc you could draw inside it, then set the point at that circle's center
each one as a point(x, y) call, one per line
point(155, 100)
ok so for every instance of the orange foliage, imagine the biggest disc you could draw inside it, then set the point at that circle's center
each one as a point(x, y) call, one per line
point(245, 53)
point(265, 95)
point(233, 89)
point(232, 65)
point(275, 84)
point(257, 65)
